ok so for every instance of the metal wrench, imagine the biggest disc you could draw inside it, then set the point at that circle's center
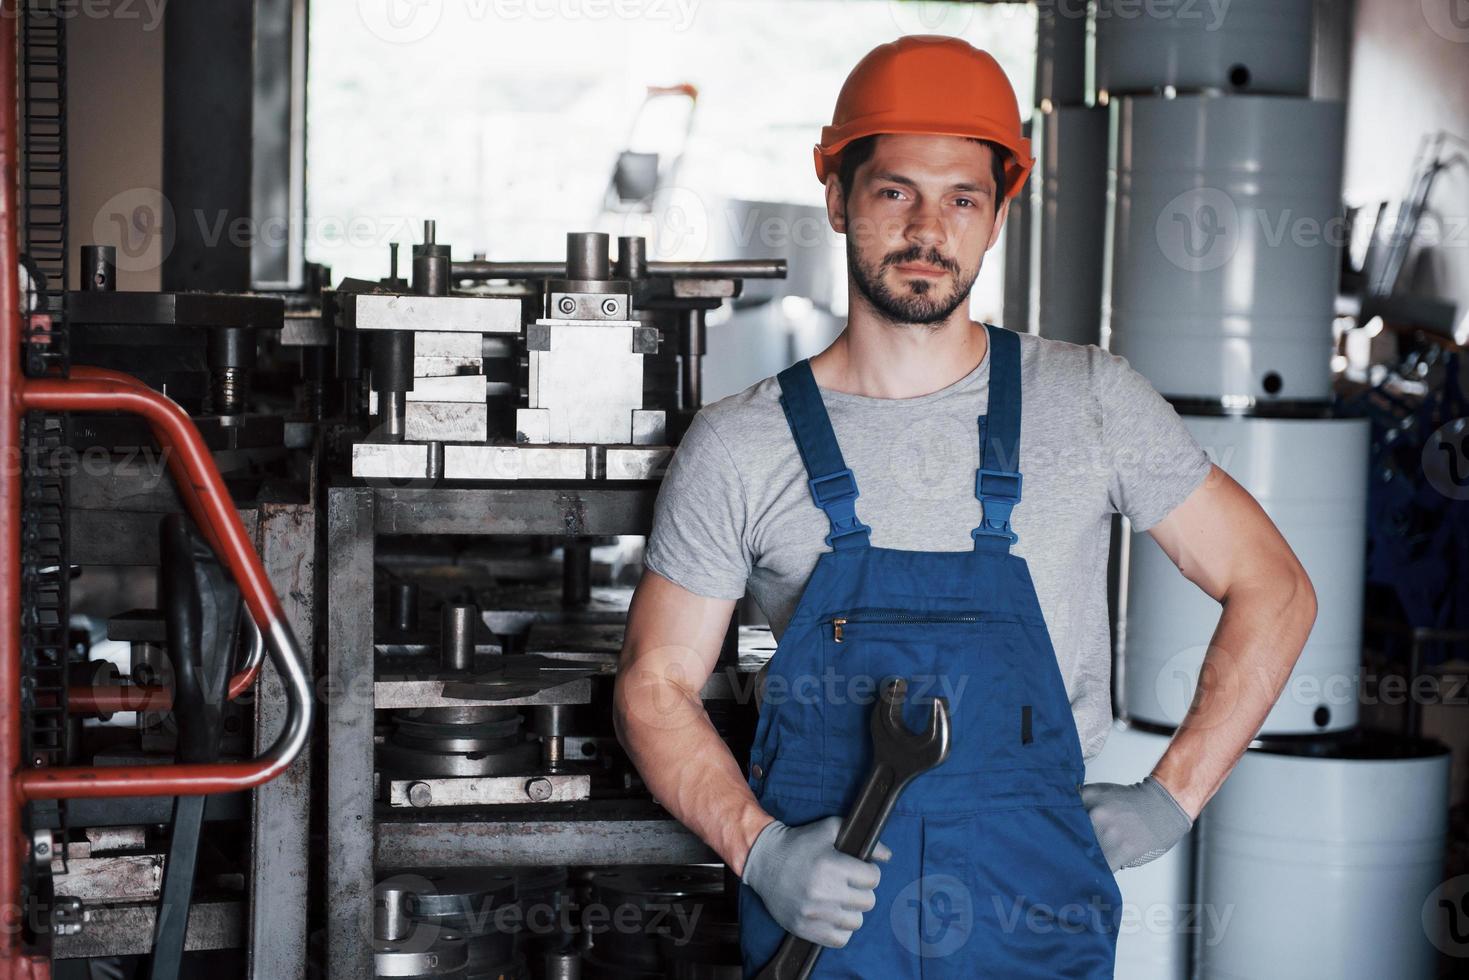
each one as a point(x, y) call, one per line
point(897, 756)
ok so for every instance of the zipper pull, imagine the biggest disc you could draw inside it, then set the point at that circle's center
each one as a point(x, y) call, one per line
point(836, 629)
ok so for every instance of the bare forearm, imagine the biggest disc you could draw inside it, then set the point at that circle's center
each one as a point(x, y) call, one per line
point(691, 772)
point(1254, 648)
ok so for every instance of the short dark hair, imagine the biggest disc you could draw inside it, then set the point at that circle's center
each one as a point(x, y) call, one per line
point(860, 150)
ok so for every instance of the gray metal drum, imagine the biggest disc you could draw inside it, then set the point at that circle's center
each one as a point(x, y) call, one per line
point(1017, 255)
point(1060, 54)
point(1320, 866)
point(1158, 915)
point(1071, 155)
point(1310, 476)
point(1261, 46)
point(1226, 232)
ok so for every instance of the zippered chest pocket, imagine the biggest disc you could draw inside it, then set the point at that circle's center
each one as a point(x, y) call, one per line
point(973, 660)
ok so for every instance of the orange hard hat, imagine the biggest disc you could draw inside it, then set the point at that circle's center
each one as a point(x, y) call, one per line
point(929, 85)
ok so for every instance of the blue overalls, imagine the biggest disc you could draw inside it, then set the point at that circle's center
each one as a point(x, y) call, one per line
point(996, 871)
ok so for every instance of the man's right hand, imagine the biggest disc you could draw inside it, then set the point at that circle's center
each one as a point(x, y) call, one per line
point(809, 887)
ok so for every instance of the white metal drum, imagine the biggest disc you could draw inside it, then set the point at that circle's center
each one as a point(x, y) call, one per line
point(1239, 46)
point(1225, 242)
point(1071, 157)
point(1158, 916)
point(1310, 475)
point(1320, 867)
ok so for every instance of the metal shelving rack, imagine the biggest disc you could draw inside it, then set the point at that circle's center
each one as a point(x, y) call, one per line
point(363, 835)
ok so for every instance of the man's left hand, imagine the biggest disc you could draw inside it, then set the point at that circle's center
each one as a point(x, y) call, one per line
point(1135, 824)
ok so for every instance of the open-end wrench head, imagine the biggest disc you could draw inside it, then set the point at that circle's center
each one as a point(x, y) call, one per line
point(893, 741)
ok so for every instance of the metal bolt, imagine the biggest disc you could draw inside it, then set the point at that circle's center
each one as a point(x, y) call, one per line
point(567, 305)
point(538, 789)
point(609, 307)
point(420, 794)
point(43, 848)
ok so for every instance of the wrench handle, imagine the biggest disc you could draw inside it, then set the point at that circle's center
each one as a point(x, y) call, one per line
point(861, 826)
point(857, 836)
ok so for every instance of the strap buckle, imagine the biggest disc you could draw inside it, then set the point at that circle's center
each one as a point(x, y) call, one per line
point(836, 494)
point(999, 492)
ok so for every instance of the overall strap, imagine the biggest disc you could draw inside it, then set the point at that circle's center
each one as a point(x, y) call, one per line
point(832, 484)
point(997, 482)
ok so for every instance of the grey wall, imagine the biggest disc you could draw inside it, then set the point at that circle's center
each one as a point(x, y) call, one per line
point(115, 135)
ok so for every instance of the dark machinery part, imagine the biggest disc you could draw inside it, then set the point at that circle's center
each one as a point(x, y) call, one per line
point(99, 268)
point(202, 611)
point(458, 622)
point(665, 901)
point(392, 379)
point(431, 265)
point(45, 600)
point(403, 606)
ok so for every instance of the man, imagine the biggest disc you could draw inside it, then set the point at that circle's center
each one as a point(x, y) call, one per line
point(998, 862)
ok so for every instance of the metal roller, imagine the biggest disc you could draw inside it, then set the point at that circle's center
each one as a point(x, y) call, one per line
point(1310, 476)
point(1261, 46)
point(1157, 898)
point(1327, 857)
point(1224, 257)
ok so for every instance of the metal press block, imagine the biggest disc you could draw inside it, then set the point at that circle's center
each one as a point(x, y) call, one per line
point(434, 314)
point(443, 421)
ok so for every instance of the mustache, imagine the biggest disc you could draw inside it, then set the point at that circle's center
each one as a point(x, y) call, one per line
point(928, 256)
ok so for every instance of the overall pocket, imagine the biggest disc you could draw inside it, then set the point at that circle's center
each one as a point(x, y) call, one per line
point(970, 659)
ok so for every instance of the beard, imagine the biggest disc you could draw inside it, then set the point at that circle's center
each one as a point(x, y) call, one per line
point(921, 301)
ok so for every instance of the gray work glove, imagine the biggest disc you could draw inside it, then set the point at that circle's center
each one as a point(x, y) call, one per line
point(813, 890)
point(1135, 824)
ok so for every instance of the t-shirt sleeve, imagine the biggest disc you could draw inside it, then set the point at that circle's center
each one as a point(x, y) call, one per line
point(698, 537)
point(1154, 461)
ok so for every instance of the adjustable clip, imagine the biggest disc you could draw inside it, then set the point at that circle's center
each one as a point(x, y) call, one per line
point(836, 494)
point(999, 492)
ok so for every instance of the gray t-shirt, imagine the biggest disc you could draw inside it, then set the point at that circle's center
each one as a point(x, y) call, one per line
point(1096, 439)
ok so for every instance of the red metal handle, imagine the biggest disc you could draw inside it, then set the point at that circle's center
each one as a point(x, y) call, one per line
point(107, 700)
point(204, 494)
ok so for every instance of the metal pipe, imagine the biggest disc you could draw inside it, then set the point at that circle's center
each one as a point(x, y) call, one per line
point(107, 699)
point(725, 269)
point(13, 963)
point(177, 435)
point(457, 622)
